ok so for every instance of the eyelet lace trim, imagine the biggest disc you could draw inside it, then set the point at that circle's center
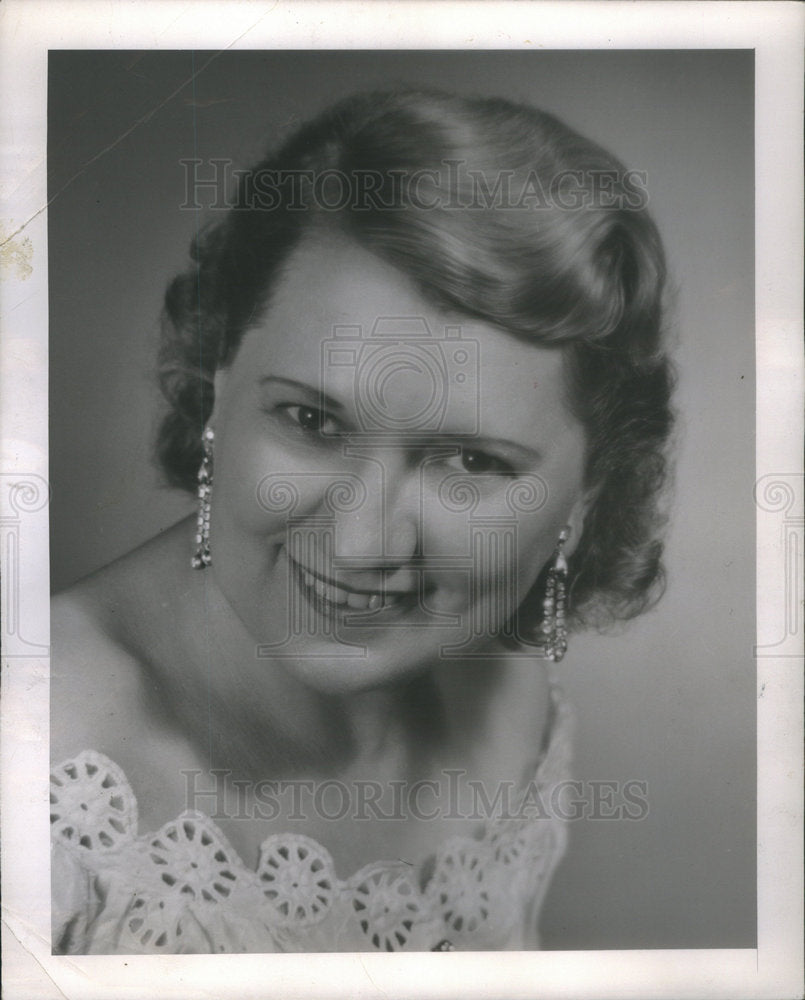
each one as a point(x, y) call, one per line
point(184, 889)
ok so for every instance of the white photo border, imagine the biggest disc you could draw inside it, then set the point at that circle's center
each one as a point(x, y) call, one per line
point(28, 29)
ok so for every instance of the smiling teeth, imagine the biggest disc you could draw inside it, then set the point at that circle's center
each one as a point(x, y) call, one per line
point(337, 595)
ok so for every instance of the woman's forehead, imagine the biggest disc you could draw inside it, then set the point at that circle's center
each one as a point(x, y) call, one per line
point(337, 305)
point(329, 275)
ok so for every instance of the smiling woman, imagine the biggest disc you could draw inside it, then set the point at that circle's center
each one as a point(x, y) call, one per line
point(402, 542)
point(416, 379)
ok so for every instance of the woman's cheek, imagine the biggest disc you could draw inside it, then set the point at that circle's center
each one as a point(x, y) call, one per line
point(485, 558)
point(278, 482)
point(535, 544)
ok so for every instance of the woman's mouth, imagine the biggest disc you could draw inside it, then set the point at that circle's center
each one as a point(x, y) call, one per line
point(331, 598)
point(333, 594)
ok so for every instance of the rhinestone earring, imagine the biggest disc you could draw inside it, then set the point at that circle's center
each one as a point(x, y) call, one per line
point(554, 606)
point(201, 557)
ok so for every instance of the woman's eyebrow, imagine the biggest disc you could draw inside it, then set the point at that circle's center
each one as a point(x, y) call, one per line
point(313, 392)
point(521, 451)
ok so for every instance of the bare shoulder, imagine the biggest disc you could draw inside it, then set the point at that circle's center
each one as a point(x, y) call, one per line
point(96, 684)
point(503, 706)
point(522, 709)
point(521, 720)
point(101, 695)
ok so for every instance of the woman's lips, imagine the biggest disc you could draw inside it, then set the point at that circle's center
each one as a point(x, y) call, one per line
point(337, 595)
point(329, 596)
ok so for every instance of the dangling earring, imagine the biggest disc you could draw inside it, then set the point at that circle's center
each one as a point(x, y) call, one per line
point(554, 605)
point(202, 557)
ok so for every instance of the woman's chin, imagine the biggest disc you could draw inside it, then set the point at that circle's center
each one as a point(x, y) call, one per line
point(333, 667)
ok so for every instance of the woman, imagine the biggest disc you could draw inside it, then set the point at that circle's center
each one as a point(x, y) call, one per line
point(416, 378)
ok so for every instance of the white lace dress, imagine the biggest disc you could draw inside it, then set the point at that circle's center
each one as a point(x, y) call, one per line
point(184, 890)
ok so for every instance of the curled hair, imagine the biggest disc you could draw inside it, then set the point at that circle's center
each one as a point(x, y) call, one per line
point(501, 213)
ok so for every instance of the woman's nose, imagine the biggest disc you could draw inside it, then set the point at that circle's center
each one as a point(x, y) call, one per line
point(383, 530)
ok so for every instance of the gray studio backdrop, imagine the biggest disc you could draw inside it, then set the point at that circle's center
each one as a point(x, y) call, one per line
point(671, 700)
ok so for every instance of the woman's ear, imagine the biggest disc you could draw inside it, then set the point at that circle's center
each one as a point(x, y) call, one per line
point(219, 390)
point(575, 521)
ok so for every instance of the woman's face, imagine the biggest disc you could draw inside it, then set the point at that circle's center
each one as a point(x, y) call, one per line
point(389, 479)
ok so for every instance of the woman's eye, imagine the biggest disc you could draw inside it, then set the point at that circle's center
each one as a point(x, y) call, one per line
point(312, 420)
point(481, 461)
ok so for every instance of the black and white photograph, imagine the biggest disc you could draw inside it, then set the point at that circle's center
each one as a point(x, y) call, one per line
point(421, 370)
point(404, 508)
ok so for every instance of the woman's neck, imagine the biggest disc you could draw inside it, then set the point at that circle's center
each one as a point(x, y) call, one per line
point(289, 729)
point(257, 716)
